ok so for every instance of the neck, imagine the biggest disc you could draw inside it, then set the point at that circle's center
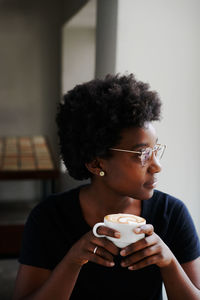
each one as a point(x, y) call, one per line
point(102, 201)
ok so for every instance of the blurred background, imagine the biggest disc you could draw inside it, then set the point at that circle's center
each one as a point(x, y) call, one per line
point(46, 48)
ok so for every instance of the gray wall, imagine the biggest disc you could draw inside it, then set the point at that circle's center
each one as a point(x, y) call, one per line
point(29, 77)
point(30, 68)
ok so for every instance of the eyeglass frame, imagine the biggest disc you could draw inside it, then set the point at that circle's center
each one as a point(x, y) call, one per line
point(142, 152)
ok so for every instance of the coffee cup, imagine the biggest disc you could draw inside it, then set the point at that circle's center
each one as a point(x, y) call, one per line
point(125, 224)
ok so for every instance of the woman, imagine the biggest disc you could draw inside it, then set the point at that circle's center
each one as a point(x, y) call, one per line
point(106, 134)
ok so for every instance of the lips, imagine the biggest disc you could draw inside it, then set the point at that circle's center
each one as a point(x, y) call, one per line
point(151, 184)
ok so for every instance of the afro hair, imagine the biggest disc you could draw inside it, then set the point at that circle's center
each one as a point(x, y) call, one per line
point(93, 114)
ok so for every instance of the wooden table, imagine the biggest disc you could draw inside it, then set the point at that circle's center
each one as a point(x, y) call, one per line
point(24, 158)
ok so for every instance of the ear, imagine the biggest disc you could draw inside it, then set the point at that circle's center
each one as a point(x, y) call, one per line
point(94, 166)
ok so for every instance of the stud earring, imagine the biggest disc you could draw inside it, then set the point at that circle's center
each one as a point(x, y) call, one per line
point(101, 173)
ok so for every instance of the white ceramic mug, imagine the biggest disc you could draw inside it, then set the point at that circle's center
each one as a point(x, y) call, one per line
point(125, 224)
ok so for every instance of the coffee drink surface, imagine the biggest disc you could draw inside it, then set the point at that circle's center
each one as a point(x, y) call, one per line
point(124, 219)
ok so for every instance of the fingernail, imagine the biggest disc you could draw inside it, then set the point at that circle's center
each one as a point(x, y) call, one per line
point(111, 264)
point(137, 230)
point(117, 234)
point(123, 253)
point(131, 268)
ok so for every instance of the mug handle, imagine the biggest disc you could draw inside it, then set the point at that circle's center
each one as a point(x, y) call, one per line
point(96, 226)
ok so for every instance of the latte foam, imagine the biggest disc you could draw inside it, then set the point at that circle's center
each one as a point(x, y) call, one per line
point(124, 219)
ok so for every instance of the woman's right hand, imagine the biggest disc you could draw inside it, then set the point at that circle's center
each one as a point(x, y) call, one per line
point(92, 248)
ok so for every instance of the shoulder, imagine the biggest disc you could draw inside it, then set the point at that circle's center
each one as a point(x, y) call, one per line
point(63, 200)
point(166, 213)
point(49, 230)
point(56, 207)
point(165, 204)
point(174, 225)
point(168, 199)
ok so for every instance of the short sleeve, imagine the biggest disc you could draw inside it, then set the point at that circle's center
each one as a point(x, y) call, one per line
point(183, 237)
point(50, 230)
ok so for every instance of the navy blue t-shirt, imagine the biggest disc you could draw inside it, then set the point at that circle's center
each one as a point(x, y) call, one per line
point(55, 224)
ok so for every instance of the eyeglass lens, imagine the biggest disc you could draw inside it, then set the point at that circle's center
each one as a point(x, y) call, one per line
point(147, 154)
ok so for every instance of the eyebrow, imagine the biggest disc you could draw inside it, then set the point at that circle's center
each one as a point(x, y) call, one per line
point(142, 145)
point(138, 146)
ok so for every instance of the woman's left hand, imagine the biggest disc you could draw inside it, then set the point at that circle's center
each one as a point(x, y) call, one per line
point(147, 251)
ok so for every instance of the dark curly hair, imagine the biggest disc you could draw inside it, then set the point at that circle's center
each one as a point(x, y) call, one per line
point(94, 113)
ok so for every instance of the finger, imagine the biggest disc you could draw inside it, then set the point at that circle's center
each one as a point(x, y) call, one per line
point(147, 229)
point(145, 262)
point(100, 260)
point(139, 245)
point(141, 255)
point(103, 230)
point(103, 242)
point(108, 245)
point(97, 250)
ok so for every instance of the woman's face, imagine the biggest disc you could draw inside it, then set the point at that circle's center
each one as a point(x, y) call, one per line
point(125, 174)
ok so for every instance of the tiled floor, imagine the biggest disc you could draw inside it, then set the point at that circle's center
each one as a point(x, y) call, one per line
point(8, 272)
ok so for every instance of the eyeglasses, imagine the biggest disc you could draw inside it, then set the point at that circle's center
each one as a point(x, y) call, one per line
point(146, 154)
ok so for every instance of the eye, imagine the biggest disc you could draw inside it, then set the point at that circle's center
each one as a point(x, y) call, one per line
point(143, 150)
point(136, 156)
point(147, 152)
point(140, 153)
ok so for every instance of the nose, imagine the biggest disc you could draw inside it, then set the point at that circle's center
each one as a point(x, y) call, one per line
point(154, 166)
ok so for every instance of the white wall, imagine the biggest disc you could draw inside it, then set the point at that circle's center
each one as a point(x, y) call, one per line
point(159, 41)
